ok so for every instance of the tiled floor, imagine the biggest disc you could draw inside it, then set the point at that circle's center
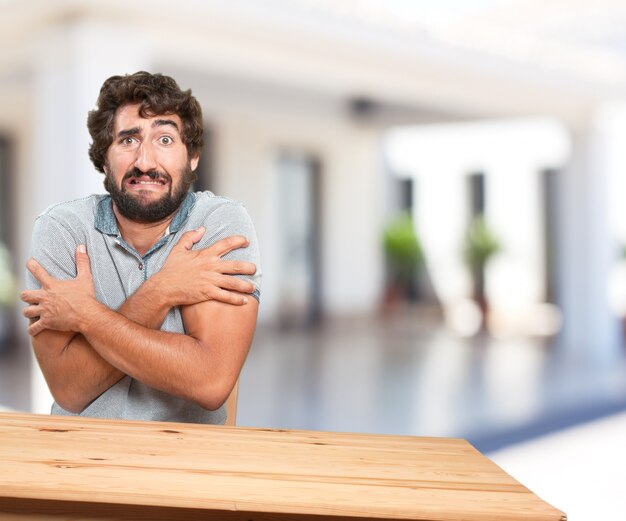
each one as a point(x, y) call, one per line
point(580, 470)
point(15, 392)
point(403, 374)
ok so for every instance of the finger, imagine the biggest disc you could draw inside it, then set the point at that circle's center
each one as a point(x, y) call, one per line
point(38, 271)
point(83, 267)
point(237, 267)
point(224, 246)
point(31, 311)
point(190, 238)
point(32, 296)
point(35, 328)
point(236, 284)
point(230, 297)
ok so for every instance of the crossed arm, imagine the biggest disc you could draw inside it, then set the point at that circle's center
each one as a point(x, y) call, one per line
point(83, 347)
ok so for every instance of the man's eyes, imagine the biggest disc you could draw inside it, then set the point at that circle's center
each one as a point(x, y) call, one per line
point(163, 140)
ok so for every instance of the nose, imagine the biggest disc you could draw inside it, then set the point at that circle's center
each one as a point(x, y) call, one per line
point(146, 159)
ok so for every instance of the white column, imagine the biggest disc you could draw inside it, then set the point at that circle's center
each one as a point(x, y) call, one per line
point(440, 220)
point(585, 249)
point(69, 63)
point(353, 209)
point(516, 278)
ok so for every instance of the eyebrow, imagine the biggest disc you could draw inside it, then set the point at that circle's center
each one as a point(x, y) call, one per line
point(163, 122)
point(156, 123)
point(129, 132)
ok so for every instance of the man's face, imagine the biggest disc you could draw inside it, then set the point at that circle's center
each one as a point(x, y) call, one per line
point(148, 171)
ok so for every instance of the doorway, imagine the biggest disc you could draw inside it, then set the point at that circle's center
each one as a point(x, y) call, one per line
point(300, 286)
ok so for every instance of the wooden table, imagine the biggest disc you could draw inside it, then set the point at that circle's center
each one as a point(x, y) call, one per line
point(56, 468)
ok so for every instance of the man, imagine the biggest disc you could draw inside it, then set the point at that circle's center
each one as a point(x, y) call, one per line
point(143, 302)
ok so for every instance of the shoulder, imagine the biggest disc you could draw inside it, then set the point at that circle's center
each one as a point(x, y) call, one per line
point(211, 202)
point(214, 210)
point(72, 213)
point(222, 217)
point(70, 218)
point(56, 233)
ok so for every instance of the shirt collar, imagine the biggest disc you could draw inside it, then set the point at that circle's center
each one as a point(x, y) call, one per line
point(105, 218)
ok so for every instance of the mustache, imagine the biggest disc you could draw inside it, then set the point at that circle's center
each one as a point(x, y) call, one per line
point(152, 174)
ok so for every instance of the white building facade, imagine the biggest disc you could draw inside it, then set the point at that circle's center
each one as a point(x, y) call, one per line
point(298, 101)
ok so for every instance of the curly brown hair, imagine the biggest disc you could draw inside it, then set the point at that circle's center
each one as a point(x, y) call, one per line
point(156, 94)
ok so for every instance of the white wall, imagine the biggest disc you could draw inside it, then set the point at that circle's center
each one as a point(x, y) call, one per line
point(252, 126)
point(511, 154)
point(67, 66)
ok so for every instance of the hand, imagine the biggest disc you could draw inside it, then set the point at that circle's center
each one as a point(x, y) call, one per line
point(60, 305)
point(193, 276)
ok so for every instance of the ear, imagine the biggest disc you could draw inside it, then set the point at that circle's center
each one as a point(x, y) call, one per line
point(194, 162)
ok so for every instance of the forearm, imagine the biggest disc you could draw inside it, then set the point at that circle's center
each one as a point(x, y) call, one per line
point(76, 374)
point(201, 366)
point(171, 362)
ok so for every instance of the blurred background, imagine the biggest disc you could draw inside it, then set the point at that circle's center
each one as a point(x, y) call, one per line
point(438, 192)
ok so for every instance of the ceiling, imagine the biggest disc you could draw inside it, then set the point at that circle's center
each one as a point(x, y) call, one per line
point(584, 38)
point(450, 58)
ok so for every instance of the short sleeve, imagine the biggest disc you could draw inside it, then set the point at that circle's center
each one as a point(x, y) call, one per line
point(54, 247)
point(229, 219)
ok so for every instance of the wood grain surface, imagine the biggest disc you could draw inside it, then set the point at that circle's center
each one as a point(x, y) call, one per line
point(57, 468)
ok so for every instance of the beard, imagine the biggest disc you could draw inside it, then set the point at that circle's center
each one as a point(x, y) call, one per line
point(134, 208)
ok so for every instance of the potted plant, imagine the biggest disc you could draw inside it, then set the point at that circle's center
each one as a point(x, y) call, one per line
point(480, 245)
point(404, 257)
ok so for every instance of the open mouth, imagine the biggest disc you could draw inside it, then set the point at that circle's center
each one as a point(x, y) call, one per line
point(146, 182)
point(136, 181)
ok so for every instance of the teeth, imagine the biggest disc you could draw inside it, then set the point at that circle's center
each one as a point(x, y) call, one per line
point(140, 182)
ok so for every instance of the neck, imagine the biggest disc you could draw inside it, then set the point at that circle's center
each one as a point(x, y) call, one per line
point(141, 236)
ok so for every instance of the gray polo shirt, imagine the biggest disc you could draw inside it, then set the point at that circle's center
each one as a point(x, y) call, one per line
point(118, 270)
